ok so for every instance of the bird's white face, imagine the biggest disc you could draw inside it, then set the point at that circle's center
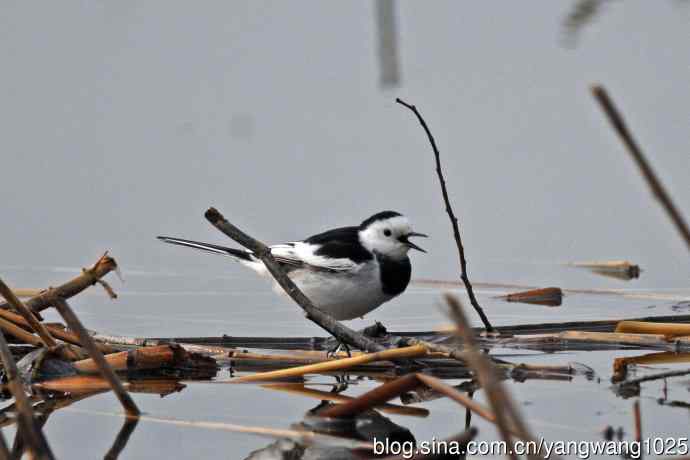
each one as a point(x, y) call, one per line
point(389, 237)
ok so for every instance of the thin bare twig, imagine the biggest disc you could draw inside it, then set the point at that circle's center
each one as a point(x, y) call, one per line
point(650, 176)
point(659, 376)
point(453, 219)
point(263, 252)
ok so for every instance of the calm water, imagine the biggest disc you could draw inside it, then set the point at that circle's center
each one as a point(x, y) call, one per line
point(125, 121)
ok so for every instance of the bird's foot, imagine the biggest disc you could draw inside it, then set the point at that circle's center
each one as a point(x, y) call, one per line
point(333, 352)
point(342, 383)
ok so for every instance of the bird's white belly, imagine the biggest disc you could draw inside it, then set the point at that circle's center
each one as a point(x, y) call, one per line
point(343, 295)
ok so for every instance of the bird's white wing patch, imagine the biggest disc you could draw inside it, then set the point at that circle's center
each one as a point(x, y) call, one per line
point(300, 253)
point(285, 253)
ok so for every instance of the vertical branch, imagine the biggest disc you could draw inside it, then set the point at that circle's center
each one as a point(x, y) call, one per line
point(32, 434)
point(453, 219)
point(508, 418)
point(87, 342)
point(658, 190)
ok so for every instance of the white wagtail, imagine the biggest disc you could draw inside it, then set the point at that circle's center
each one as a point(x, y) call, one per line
point(347, 272)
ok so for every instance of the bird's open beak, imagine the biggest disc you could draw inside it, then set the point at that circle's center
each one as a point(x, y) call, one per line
point(405, 239)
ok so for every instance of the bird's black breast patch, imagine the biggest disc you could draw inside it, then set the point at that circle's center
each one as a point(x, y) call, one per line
point(340, 243)
point(395, 274)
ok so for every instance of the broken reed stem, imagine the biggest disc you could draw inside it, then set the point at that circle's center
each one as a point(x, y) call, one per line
point(659, 376)
point(300, 389)
point(665, 329)
point(334, 365)
point(375, 397)
point(31, 433)
point(20, 333)
point(28, 315)
point(508, 418)
point(87, 342)
point(4, 451)
point(56, 331)
point(657, 188)
point(263, 252)
point(451, 216)
point(122, 438)
point(89, 276)
point(460, 398)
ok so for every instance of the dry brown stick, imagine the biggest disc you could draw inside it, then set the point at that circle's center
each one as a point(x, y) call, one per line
point(650, 176)
point(263, 252)
point(28, 315)
point(19, 333)
point(507, 416)
point(56, 331)
point(451, 216)
point(87, 342)
point(32, 434)
point(88, 277)
point(153, 357)
point(68, 352)
point(457, 396)
point(336, 364)
point(373, 398)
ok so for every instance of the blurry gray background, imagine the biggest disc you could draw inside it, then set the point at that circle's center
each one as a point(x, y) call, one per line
point(125, 120)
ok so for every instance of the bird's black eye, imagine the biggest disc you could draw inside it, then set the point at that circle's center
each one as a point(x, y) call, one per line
point(387, 232)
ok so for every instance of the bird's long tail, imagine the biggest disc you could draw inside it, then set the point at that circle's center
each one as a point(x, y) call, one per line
point(241, 255)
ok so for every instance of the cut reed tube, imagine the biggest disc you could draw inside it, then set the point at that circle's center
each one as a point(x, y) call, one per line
point(141, 358)
point(641, 327)
point(338, 364)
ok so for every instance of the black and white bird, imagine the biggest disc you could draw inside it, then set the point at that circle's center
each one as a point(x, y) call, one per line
point(348, 271)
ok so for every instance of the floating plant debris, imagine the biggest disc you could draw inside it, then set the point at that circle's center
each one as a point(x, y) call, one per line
point(620, 269)
point(550, 297)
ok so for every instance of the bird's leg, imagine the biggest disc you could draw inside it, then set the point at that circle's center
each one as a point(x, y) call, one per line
point(342, 382)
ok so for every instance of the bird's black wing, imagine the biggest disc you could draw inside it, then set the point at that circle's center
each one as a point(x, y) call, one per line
point(340, 243)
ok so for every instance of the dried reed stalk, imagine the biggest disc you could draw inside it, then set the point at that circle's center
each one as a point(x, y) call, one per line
point(338, 364)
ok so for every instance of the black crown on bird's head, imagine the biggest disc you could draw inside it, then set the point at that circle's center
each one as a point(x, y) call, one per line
point(383, 215)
